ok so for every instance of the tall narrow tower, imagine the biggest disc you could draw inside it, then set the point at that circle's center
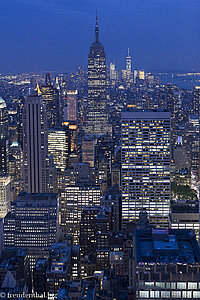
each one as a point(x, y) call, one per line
point(128, 64)
point(129, 74)
point(34, 145)
point(97, 117)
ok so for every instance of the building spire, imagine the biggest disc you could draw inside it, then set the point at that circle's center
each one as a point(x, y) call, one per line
point(128, 51)
point(97, 30)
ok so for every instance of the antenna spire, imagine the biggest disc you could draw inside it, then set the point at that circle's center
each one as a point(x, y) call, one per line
point(97, 29)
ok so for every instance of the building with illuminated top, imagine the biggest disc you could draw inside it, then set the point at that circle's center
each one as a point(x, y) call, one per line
point(146, 159)
point(97, 117)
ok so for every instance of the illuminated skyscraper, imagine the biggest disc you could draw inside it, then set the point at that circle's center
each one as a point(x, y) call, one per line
point(34, 145)
point(4, 145)
point(48, 79)
point(72, 105)
point(32, 224)
point(5, 195)
point(196, 101)
point(128, 74)
point(146, 158)
point(113, 73)
point(88, 151)
point(3, 119)
point(97, 117)
point(50, 96)
point(128, 67)
point(58, 146)
point(3, 137)
point(73, 200)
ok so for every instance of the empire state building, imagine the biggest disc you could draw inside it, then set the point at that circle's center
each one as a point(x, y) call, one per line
point(97, 116)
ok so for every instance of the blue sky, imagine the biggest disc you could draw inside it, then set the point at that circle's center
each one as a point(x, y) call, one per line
point(53, 35)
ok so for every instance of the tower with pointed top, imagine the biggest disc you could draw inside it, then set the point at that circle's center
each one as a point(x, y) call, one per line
point(128, 65)
point(97, 116)
point(128, 74)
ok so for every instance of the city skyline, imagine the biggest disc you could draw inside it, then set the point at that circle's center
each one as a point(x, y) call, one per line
point(99, 166)
point(161, 35)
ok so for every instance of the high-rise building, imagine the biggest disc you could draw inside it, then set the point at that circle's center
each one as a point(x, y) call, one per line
point(73, 200)
point(34, 145)
point(113, 73)
point(196, 101)
point(146, 158)
point(88, 151)
point(50, 96)
point(95, 227)
point(97, 117)
point(3, 119)
point(5, 195)
point(139, 76)
point(72, 105)
point(4, 148)
point(3, 137)
point(32, 223)
point(48, 78)
point(58, 146)
point(127, 74)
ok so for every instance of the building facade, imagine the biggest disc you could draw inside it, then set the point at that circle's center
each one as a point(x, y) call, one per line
point(5, 195)
point(146, 158)
point(32, 222)
point(34, 145)
point(73, 200)
point(58, 146)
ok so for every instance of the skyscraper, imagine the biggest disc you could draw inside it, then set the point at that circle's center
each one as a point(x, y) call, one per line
point(128, 66)
point(73, 200)
point(34, 145)
point(196, 101)
point(50, 96)
point(113, 73)
point(58, 146)
point(32, 224)
point(72, 105)
point(3, 119)
point(5, 195)
point(97, 117)
point(146, 158)
point(88, 151)
point(128, 74)
point(4, 144)
point(3, 137)
point(48, 78)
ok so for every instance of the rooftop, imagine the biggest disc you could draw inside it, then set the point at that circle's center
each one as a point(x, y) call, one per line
point(166, 246)
point(35, 200)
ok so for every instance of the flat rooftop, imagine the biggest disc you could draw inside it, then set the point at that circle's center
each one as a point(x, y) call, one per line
point(145, 113)
point(166, 246)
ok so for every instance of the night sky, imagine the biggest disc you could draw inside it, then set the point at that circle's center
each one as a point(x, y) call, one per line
point(55, 35)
